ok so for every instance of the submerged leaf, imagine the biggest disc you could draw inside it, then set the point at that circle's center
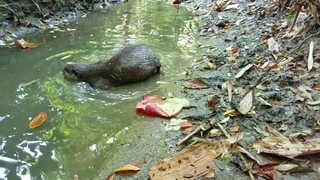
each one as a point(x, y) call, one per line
point(38, 120)
point(63, 54)
point(24, 44)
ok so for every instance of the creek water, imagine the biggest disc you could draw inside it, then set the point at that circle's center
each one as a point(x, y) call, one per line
point(85, 126)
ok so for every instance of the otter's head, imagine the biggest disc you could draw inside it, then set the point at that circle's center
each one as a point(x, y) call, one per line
point(74, 72)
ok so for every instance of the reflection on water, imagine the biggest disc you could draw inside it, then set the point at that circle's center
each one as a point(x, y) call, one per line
point(83, 123)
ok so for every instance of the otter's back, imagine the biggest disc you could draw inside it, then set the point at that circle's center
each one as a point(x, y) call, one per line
point(133, 63)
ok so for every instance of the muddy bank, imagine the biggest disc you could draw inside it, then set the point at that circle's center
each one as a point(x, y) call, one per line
point(237, 60)
point(21, 18)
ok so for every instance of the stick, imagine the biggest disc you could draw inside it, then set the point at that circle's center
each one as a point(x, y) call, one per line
point(198, 129)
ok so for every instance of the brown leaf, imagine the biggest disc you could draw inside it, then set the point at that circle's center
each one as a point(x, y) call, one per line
point(194, 162)
point(276, 103)
point(24, 44)
point(269, 171)
point(184, 125)
point(316, 87)
point(234, 128)
point(195, 84)
point(303, 92)
point(213, 101)
point(283, 146)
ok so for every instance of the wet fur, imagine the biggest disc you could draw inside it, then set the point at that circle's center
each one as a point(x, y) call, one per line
point(135, 62)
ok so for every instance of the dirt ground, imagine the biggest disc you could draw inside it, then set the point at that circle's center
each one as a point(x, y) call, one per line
point(261, 87)
point(254, 86)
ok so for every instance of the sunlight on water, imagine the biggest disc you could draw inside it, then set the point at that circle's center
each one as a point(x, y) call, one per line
point(83, 124)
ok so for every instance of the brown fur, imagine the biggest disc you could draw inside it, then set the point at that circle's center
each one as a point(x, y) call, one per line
point(135, 62)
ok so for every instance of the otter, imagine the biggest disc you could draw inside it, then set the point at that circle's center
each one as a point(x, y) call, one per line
point(135, 62)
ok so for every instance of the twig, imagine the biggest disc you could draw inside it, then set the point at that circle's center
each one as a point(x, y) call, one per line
point(223, 130)
point(197, 130)
point(298, 10)
point(176, 13)
point(38, 7)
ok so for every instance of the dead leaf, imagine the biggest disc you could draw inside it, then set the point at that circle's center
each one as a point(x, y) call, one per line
point(268, 171)
point(125, 168)
point(24, 44)
point(232, 59)
point(210, 174)
point(184, 125)
point(310, 57)
point(283, 146)
point(234, 128)
point(38, 120)
point(285, 167)
point(316, 87)
point(195, 84)
point(243, 70)
point(313, 103)
point(220, 5)
point(231, 112)
point(246, 103)
point(263, 102)
point(156, 105)
point(277, 103)
point(274, 66)
point(273, 46)
point(212, 101)
point(225, 120)
point(229, 86)
point(24, 84)
point(303, 92)
point(193, 162)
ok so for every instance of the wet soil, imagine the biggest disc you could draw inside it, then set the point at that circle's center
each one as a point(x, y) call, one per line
point(230, 40)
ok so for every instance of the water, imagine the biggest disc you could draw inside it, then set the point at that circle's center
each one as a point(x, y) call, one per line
point(82, 122)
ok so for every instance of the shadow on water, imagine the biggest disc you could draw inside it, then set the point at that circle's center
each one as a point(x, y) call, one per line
point(85, 126)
